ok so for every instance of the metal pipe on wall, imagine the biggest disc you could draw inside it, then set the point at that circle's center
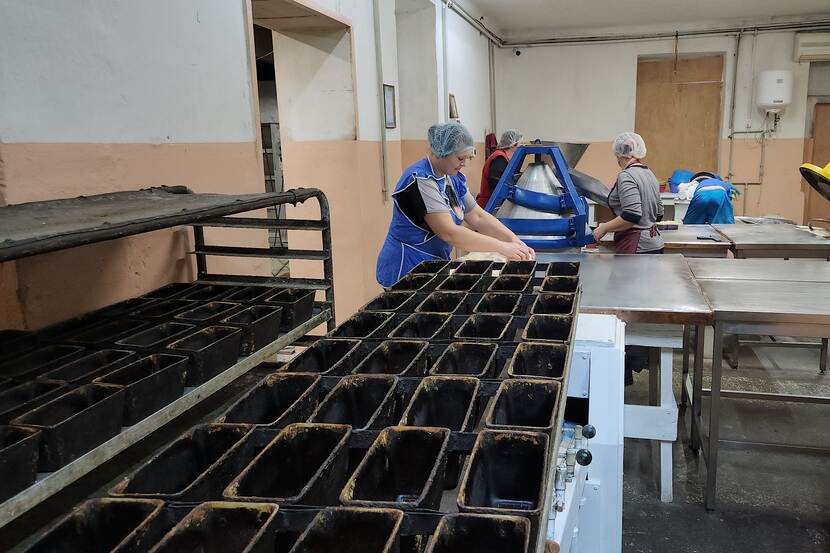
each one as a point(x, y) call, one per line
point(381, 107)
point(821, 24)
point(444, 6)
point(735, 56)
point(492, 67)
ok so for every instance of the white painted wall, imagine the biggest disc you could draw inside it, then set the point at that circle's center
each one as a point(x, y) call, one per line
point(771, 51)
point(315, 86)
point(268, 112)
point(361, 15)
point(119, 71)
point(468, 75)
point(418, 35)
point(587, 92)
point(389, 55)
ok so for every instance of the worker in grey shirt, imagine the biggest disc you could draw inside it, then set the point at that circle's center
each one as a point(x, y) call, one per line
point(634, 200)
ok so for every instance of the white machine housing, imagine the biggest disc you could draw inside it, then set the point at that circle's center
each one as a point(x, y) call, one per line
point(590, 519)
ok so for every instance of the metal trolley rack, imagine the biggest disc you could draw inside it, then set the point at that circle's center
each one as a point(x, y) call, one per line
point(360, 420)
point(40, 227)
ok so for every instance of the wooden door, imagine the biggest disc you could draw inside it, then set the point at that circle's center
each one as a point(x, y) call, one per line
point(815, 206)
point(678, 113)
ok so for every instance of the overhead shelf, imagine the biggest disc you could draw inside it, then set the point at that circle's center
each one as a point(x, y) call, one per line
point(39, 227)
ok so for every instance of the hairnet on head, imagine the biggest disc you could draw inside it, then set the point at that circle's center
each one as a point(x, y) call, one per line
point(446, 139)
point(509, 138)
point(630, 144)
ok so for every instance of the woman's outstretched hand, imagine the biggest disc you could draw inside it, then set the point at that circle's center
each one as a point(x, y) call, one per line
point(517, 251)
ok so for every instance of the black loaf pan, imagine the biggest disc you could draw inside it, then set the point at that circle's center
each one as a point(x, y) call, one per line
point(297, 306)
point(304, 464)
point(444, 402)
point(24, 397)
point(197, 466)
point(89, 367)
point(155, 338)
point(211, 350)
point(276, 401)
point(469, 533)
point(149, 383)
point(223, 527)
point(18, 459)
point(259, 325)
point(40, 361)
point(352, 530)
point(75, 423)
point(404, 468)
point(102, 526)
point(326, 357)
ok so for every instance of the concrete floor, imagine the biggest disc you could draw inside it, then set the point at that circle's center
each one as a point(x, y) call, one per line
point(768, 500)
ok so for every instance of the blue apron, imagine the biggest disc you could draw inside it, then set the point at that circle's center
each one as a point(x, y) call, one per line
point(406, 243)
point(712, 206)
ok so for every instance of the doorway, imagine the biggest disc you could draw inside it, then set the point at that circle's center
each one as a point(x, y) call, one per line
point(265, 78)
point(815, 205)
point(678, 112)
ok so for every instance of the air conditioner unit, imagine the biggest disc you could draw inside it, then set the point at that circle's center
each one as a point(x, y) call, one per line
point(812, 47)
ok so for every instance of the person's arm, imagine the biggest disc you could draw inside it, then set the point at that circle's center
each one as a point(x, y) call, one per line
point(461, 237)
point(632, 208)
point(485, 223)
point(497, 167)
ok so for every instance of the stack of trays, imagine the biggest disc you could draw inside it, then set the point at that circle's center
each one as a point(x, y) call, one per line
point(425, 422)
point(68, 388)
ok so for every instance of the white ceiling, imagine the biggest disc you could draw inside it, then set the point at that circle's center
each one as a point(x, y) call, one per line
point(527, 19)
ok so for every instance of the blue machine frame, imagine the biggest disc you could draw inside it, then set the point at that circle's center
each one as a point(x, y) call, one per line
point(571, 229)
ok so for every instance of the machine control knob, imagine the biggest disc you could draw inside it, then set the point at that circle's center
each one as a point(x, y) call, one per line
point(588, 431)
point(584, 457)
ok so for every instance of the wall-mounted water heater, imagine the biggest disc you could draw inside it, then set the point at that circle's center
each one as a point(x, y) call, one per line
point(775, 90)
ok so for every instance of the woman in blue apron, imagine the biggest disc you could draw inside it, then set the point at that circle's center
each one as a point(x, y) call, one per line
point(430, 203)
point(711, 203)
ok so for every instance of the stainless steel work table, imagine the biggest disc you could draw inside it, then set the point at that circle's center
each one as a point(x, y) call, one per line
point(779, 241)
point(776, 308)
point(660, 299)
point(787, 270)
point(689, 240)
point(658, 289)
point(793, 270)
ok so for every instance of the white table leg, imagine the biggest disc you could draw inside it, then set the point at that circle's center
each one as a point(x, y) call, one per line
point(666, 399)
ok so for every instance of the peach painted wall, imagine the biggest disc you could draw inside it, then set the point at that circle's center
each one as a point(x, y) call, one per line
point(349, 172)
point(781, 192)
point(64, 284)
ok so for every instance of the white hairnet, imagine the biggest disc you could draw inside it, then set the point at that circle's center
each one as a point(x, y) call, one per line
point(630, 144)
point(509, 138)
point(446, 139)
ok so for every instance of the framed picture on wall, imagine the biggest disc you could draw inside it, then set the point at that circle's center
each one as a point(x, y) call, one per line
point(389, 106)
point(453, 108)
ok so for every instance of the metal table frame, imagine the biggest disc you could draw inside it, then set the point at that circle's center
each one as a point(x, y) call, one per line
point(767, 269)
point(774, 241)
point(41, 227)
point(790, 324)
point(659, 326)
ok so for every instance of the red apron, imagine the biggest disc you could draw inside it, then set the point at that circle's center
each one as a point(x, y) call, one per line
point(485, 191)
point(626, 241)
